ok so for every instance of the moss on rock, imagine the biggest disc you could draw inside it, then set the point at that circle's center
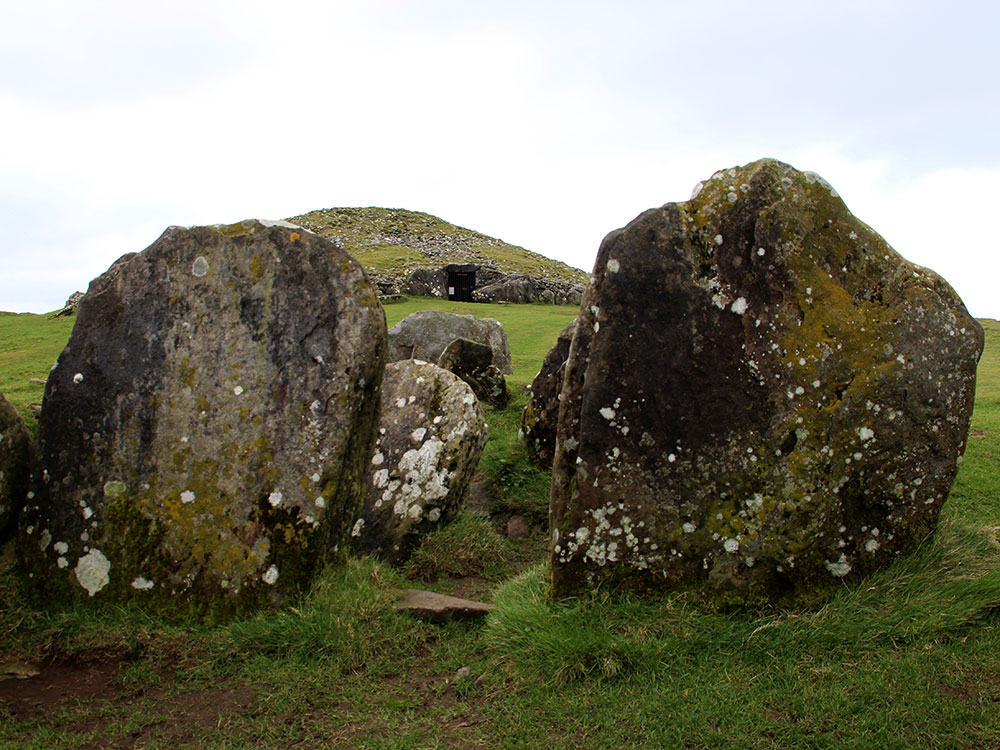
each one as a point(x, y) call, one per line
point(204, 435)
point(763, 399)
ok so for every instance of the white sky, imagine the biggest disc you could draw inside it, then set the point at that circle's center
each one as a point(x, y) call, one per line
point(547, 124)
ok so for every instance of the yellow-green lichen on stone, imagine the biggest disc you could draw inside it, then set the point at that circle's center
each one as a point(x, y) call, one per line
point(218, 368)
point(762, 398)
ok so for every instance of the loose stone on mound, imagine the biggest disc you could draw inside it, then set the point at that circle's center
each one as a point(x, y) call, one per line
point(206, 432)
point(431, 435)
point(14, 464)
point(540, 417)
point(762, 399)
point(424, 335)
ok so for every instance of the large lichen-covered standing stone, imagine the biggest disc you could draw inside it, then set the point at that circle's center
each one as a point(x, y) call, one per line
point(206, 432)
point(540, 418)
point(425, 334)
point(431, 435)
point(14, 464)
point(762, 399)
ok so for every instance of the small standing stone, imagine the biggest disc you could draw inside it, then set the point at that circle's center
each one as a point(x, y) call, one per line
point(430, 437)
point(540, 417)
point(473, 363)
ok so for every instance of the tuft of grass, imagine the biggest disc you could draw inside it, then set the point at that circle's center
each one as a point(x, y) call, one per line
point(347, 621)
point(948, 588)
point(560, 643)
point(518, 486)
point(468, 546)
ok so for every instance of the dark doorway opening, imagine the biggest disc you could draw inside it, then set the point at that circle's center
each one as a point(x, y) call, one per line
point(460, 285)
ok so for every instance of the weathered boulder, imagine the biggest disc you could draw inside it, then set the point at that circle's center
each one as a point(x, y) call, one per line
point(431, 434)
point(424, 335)
point(517, 288)
point(473, 363)
point(540, 417)
point(424, 282)
point(71, 304)
point(15, 464)
point(204, 438)
point(762, 401)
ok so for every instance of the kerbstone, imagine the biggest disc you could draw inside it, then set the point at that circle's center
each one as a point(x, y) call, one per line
point(430, 437)
point(763, 400)
point(205, 434)
point(425, 335)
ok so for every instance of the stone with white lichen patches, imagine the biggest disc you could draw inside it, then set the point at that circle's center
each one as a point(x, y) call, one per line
point(786, 380)
point(221, 427)
point(429, 449)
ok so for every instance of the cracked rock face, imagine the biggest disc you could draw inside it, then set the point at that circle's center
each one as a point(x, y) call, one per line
point(204, 436)
point(14, 464)
point(762, 401)
point(430, 437)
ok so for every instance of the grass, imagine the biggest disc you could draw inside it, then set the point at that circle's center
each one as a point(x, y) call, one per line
point(907, 658)
point(29, 346)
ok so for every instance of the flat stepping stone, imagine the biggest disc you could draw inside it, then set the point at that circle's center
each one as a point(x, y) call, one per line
point(434, 607)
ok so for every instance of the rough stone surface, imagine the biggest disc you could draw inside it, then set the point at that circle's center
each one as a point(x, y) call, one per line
point(473, 363)
point(205, 434)
point(424, 335)
point(516, 288)
point(540, 417)
point(429, 605)
point(71, 304)
point(762, 401)
point(15, 463)
point(430, 436)
point(424, 282)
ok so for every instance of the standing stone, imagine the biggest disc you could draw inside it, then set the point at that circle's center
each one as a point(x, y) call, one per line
point(431, 435)
point(425, 334)
point(763, 400)
point(473, 363)
point(204, 437)
point(540, 417)
point(14, 464)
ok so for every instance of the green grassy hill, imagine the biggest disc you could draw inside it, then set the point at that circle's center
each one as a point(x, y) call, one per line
point(394, 242)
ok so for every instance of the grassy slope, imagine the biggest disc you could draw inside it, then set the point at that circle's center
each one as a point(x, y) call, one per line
point(909, 658)
point(371, 234)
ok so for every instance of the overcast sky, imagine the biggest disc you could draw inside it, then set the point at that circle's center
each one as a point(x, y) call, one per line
point(547, 124)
